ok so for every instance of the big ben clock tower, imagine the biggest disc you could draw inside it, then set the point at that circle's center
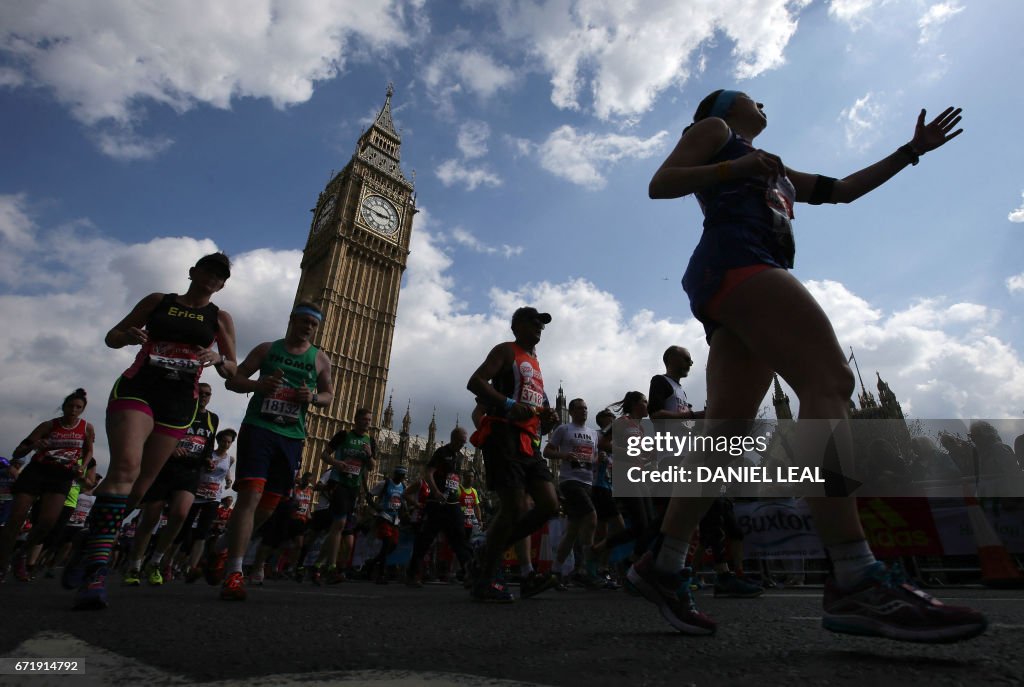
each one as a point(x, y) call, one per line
point(352, 269)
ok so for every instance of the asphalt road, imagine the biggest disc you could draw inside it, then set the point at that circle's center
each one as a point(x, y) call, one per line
point(360, 633)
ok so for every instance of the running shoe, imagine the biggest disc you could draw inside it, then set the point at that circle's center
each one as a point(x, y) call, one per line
point(153, 575)
point(256, 577)
point(193, 574)
point(132, 578)
point(335, 576)
point(233, 588)
point(561, 586)
point(314, 576)
point(537, 582)
point(3, 576)
point(730, 586)
point(92, 595)
point(213, 566)
point(886, 605)
point(20, 568)
point(491, 592)
point(168, 572)
point(300, 574)
point(671, 594)
point(415, 580)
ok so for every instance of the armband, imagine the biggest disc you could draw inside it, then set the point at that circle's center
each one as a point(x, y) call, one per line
point(508, 404)
point(822, 191)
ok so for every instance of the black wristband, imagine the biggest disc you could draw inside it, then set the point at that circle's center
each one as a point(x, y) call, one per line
point(822, 191)
point(909, 151)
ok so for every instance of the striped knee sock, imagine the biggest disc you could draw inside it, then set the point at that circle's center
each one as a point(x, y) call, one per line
point(107, 513)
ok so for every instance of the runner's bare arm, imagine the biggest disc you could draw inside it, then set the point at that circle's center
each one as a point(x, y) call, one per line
point(927, 137)
point(227, 364)
point(129, 331)
point(240, 381)
point(500, 357)
point(34, 441)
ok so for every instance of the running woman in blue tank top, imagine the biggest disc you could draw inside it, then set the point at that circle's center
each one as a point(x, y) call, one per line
point(760, 319)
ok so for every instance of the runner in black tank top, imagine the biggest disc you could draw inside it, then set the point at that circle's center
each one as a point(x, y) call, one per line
point(153, 404)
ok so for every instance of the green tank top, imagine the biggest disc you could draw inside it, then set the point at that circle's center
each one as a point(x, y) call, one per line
point(282, 412)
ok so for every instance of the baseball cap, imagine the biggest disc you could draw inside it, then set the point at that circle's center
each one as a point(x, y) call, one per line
point(529, 313)
point(216, 262)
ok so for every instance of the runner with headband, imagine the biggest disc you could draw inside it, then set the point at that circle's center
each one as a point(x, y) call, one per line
point(761, 320)
point(294, 374)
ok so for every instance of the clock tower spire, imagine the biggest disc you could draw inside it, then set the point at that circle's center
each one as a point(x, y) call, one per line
point(352, 266)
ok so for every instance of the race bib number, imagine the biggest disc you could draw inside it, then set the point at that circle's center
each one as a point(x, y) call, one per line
point(208, 490)
point(583, 455)
point(351, 466)
point(282, 407)
point(176, 358)
point(531, 397)
point(193, 446)
point(77, 518)
point(64, 456)
point(395, 503)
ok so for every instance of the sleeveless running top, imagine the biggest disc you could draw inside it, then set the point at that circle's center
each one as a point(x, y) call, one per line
point(176, 333)
point(746, 222)
point(198, 437)
point(211, 482)
point(469, 498)
point(303, 499)
point(281, 412)
point(391, 501)
point(64, 445)
point(524, 383)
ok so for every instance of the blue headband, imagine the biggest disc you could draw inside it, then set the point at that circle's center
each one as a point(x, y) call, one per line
point(303, 310)
point(722, 103)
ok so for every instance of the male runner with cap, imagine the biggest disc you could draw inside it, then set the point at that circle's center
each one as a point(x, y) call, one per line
point(509, 383)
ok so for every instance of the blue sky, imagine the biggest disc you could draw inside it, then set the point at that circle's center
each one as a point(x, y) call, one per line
point(138, 136)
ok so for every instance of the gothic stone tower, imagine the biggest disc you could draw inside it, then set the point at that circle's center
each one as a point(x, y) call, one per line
point(352, 269)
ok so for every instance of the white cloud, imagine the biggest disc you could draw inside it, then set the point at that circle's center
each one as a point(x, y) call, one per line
point(582, 157)
point(16, 228)
point(10, 77)
point(1017, 214)
point(123, 144)
point(860, 121)
point(623, 54)
point(457, 70)
point(1015, 284)
point(940, 358)
point(105, 60)
point(853, 12)
point(472, 139)
point(932, 20)
point(468, 240)
point(453, 171)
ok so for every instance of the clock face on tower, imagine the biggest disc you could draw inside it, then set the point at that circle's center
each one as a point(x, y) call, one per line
point(380, 214)
point(325, 215)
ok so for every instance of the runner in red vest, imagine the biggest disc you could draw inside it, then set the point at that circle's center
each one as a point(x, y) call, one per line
point(61, 446)
point(510, 385)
